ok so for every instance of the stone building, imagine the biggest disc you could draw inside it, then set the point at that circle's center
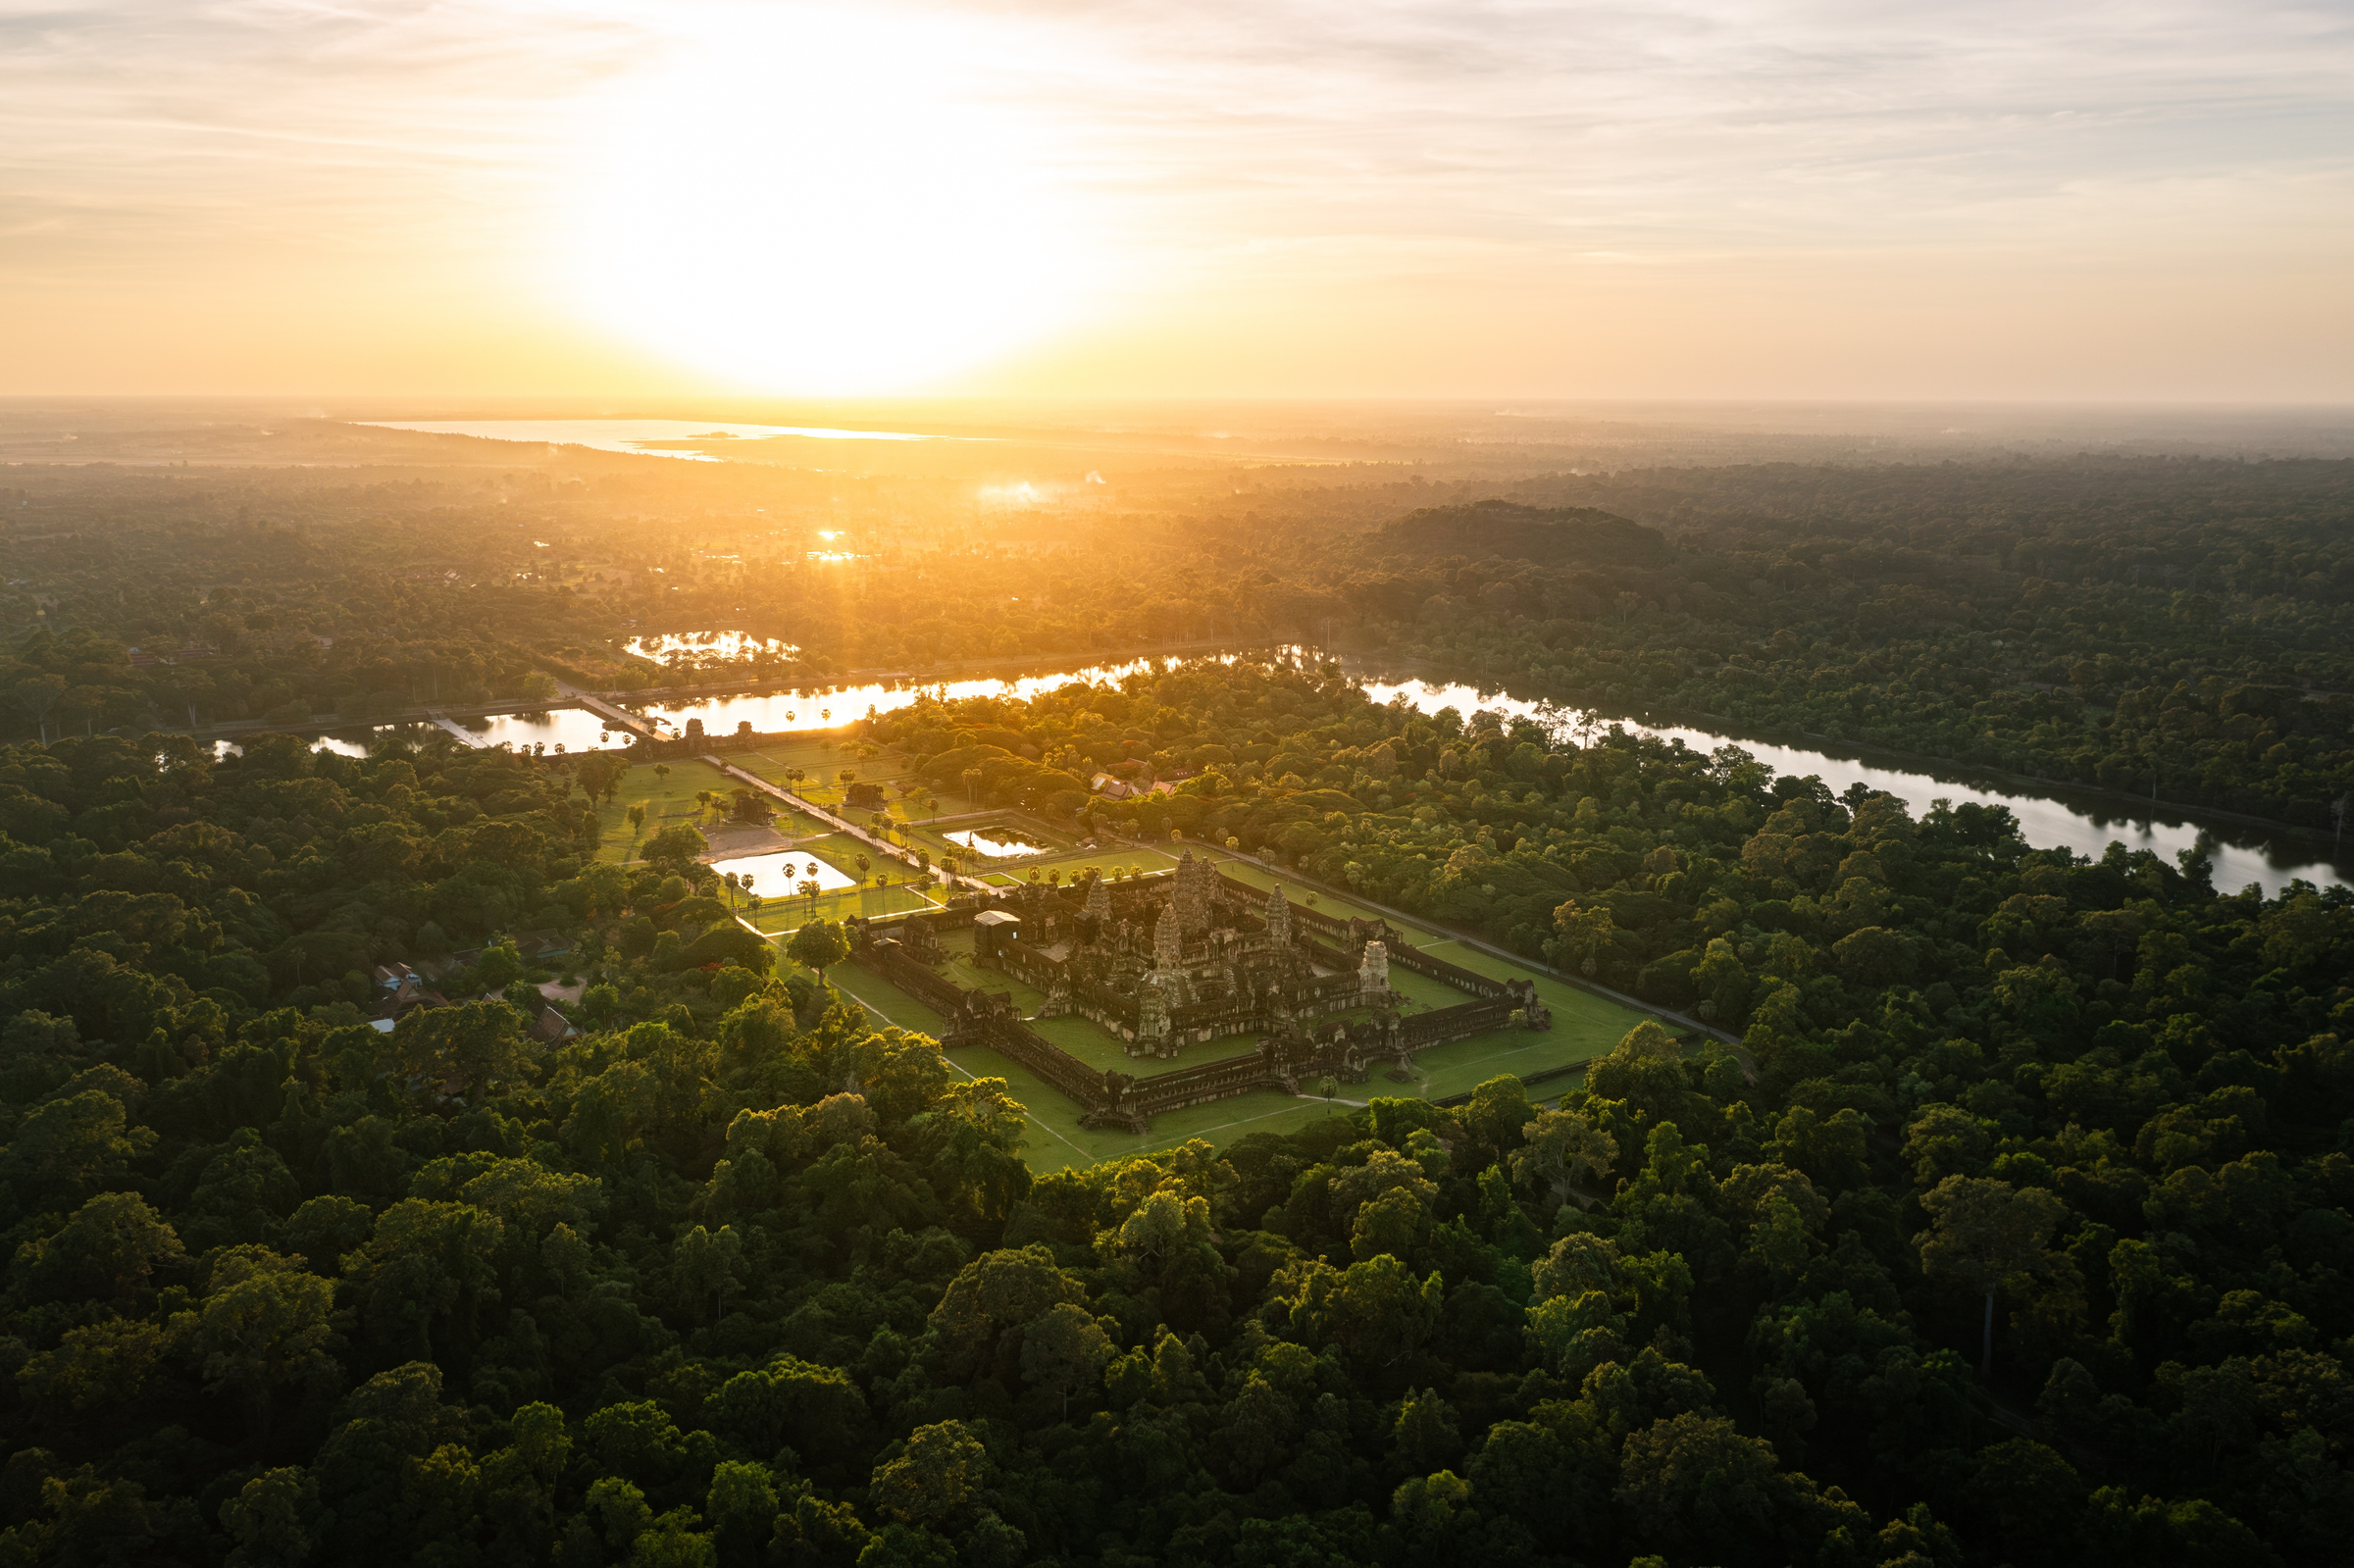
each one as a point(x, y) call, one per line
point(1180, 962)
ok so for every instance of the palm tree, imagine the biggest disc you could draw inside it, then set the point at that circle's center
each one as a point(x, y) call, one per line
point(972, 782)
point(809, 890)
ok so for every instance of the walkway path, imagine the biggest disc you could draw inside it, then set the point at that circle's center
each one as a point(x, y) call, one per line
point(464, 735)
point(841, 824)
point(619, 718)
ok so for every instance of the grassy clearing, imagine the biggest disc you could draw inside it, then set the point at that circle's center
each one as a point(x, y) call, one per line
point(669, 800)
point(1325, 903)
point(821, 764)
point(1577, 1013)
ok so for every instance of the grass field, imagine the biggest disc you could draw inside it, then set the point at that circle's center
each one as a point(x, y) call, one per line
point(669, 799)
point(821, 768)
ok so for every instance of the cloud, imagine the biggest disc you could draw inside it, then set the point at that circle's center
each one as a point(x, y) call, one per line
point(1241, 147)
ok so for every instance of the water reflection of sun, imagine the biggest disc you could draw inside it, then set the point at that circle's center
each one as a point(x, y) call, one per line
point(822, 202)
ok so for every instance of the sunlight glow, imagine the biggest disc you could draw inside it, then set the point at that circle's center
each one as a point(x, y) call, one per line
point(819, 202)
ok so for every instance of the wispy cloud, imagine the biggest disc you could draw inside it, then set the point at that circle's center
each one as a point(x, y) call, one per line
point(1246, 142)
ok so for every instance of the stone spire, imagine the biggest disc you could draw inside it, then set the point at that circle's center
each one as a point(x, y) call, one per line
point(1279, 919)
point(1098, 902)
point(1167, 939)
point(1373, 974)
point(1194, 882)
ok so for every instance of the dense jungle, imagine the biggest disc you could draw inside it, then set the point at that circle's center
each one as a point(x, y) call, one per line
point(2001, 1213)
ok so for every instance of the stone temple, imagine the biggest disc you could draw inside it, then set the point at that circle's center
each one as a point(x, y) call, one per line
point(1164, 964)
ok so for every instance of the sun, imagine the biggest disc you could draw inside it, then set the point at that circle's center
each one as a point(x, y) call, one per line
point(823, 203)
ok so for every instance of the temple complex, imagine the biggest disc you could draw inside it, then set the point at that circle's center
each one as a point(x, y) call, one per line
point(1178, 962)
point(1169, 964)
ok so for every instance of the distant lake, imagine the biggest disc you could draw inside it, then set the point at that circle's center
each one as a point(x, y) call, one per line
point(632, 435)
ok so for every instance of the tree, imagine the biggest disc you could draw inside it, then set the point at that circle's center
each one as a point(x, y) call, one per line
point(276, 1520)
point(1380, 1313)
point(70, 1145)
point(818, 945)
point(265, 1322)
point(38, 696)
point(1585, 933)
point(1690, 1482)
point(934, 1476)
point(470, 1050)
point(676, 846)
point(1558, 1145)
point(1064, 1349)
point(705, 1266)
point(1989, 1236)
point(108, 1251)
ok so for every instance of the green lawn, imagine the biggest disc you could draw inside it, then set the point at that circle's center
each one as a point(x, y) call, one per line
point(669, 799)
point(1242, 871)
point(1579, 1014)
point(821, 766)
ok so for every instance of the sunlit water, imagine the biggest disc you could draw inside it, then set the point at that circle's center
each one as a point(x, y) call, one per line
point(981, 843)
point(576, 730)
point(2084, 822)
point(830, 709)
point(716, 645)
point(630, 436)
point(781, 875)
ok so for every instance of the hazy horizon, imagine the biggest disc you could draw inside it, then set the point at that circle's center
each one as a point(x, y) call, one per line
point(1700, 202)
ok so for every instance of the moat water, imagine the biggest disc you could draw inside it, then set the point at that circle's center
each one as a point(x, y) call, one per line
point(2084, 821)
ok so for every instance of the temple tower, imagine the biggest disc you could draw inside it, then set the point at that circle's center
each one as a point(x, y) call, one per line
point(1151, 1020)
point(1098, 902)
point(1194, 884)
point(1373, 973)
point(1168, 939)
point(1279, 919)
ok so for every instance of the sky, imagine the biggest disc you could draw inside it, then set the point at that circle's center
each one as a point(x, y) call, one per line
point(1377, 198)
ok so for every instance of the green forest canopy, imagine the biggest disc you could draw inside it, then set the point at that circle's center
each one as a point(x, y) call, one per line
point(731, 1275)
